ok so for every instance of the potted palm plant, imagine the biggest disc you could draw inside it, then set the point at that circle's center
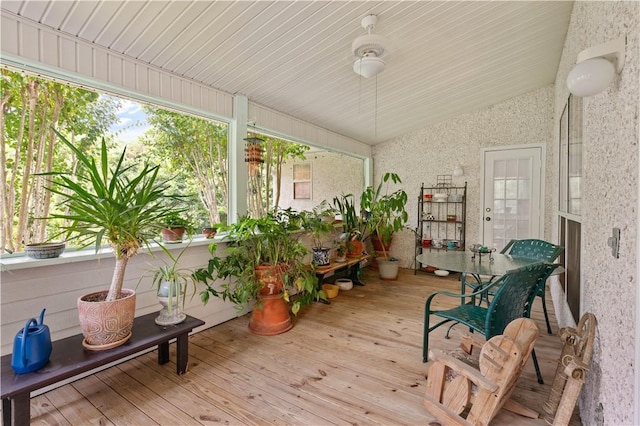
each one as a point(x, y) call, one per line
point(263, 263)
point(123, 206)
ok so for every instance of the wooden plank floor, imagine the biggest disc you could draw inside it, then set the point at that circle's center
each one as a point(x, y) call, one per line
point(357, 361)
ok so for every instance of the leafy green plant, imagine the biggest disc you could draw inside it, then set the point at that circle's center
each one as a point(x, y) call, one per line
point(169, 272)
point(352, 224)
point(318, 222)
point(253, 242)
point(386, 212)
point(120, 204)
point(176, 220)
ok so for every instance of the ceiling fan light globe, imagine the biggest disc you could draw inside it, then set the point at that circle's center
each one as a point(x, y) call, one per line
point(368, 66)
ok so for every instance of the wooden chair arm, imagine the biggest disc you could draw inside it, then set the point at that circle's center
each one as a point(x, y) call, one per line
point(463, 369)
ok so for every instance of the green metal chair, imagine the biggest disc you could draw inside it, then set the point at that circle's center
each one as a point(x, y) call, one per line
point(514, 293)
point(529, 249)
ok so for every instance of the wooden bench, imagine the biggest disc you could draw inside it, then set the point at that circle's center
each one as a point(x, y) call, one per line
point(349, 268)
point(69, 359)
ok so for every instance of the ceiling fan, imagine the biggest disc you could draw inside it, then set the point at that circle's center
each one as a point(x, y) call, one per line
point(368, 50)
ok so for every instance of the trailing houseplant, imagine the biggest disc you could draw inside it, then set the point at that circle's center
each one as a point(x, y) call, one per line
point(262, 263)
point(122, 205)
point(171, 283)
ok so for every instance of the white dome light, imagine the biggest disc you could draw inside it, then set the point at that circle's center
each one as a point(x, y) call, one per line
point(596, 67)
point(368, 66)
point(590, 77)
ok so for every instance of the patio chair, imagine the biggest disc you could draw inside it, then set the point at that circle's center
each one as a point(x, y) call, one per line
point(482, 386)
point(529, 249)
point(571, 370)
point(513, 294)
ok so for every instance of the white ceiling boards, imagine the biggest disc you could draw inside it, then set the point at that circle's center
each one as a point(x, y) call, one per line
point(447, 58)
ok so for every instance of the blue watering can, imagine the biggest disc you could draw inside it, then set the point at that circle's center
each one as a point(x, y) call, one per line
point(31, 347)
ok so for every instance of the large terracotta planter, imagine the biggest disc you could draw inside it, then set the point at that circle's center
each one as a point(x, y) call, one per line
point(106, 325)
point(271, 317)
point(271, 314)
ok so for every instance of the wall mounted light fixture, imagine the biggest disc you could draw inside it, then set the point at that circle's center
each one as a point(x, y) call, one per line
point(458, 171)
point(596, 67)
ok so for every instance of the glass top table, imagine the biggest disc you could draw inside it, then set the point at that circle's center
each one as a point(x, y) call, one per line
point(462, 261)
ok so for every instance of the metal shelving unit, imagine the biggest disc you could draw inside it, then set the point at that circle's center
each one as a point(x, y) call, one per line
point(441, 220)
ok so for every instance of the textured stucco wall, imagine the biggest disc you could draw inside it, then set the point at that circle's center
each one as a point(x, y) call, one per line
point(610, 137)
point(332, 174)
point(422, 155)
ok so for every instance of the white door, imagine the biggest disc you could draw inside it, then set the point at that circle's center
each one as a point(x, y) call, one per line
point(512, 204)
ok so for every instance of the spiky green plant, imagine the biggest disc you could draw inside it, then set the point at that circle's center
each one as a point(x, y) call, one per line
point(119, 204)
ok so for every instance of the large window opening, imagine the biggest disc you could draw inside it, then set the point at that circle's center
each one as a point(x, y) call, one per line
point(192, 151)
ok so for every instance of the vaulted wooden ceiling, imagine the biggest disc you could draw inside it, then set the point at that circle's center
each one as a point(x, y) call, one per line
point(447, 58)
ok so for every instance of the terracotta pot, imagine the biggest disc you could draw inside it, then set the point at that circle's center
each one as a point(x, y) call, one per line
point(354, 248)
point(172, 235)
point(378, 246)
point(271, 316)
point(106, 325)
point(271, 277)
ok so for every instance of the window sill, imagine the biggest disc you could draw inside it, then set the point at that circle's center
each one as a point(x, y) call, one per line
point(21, 261)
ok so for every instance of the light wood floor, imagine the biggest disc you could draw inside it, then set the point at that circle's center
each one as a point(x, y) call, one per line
point(357, 361)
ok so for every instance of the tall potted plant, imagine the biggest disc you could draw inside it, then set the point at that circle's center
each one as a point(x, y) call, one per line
point(263, 263)
point(354, 229)
point(386, 215)
point(123, 205)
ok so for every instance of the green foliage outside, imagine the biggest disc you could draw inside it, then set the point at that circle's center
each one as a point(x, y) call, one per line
point(192, 153)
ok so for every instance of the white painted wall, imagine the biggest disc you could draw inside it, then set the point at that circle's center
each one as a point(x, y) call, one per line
point(56, 284)
point(610, 137)
point(332, 174)
point(420, 156)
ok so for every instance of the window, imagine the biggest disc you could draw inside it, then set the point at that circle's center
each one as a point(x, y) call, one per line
point(191, 151)
point(302, 181)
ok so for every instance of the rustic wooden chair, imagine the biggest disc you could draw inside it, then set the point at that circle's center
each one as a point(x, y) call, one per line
point(459, 393)
point(571, 370)
point(513, 294)
point(529, 249)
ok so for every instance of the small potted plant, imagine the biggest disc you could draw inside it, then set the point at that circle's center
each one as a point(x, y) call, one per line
point(262, 264)
point(318, 223)
point(210, 231)
point(175, 226)
point(171, 284)
point(340, 248)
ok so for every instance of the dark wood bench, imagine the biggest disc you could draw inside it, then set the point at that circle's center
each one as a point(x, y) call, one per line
point(69, 359)
point(350, 268)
